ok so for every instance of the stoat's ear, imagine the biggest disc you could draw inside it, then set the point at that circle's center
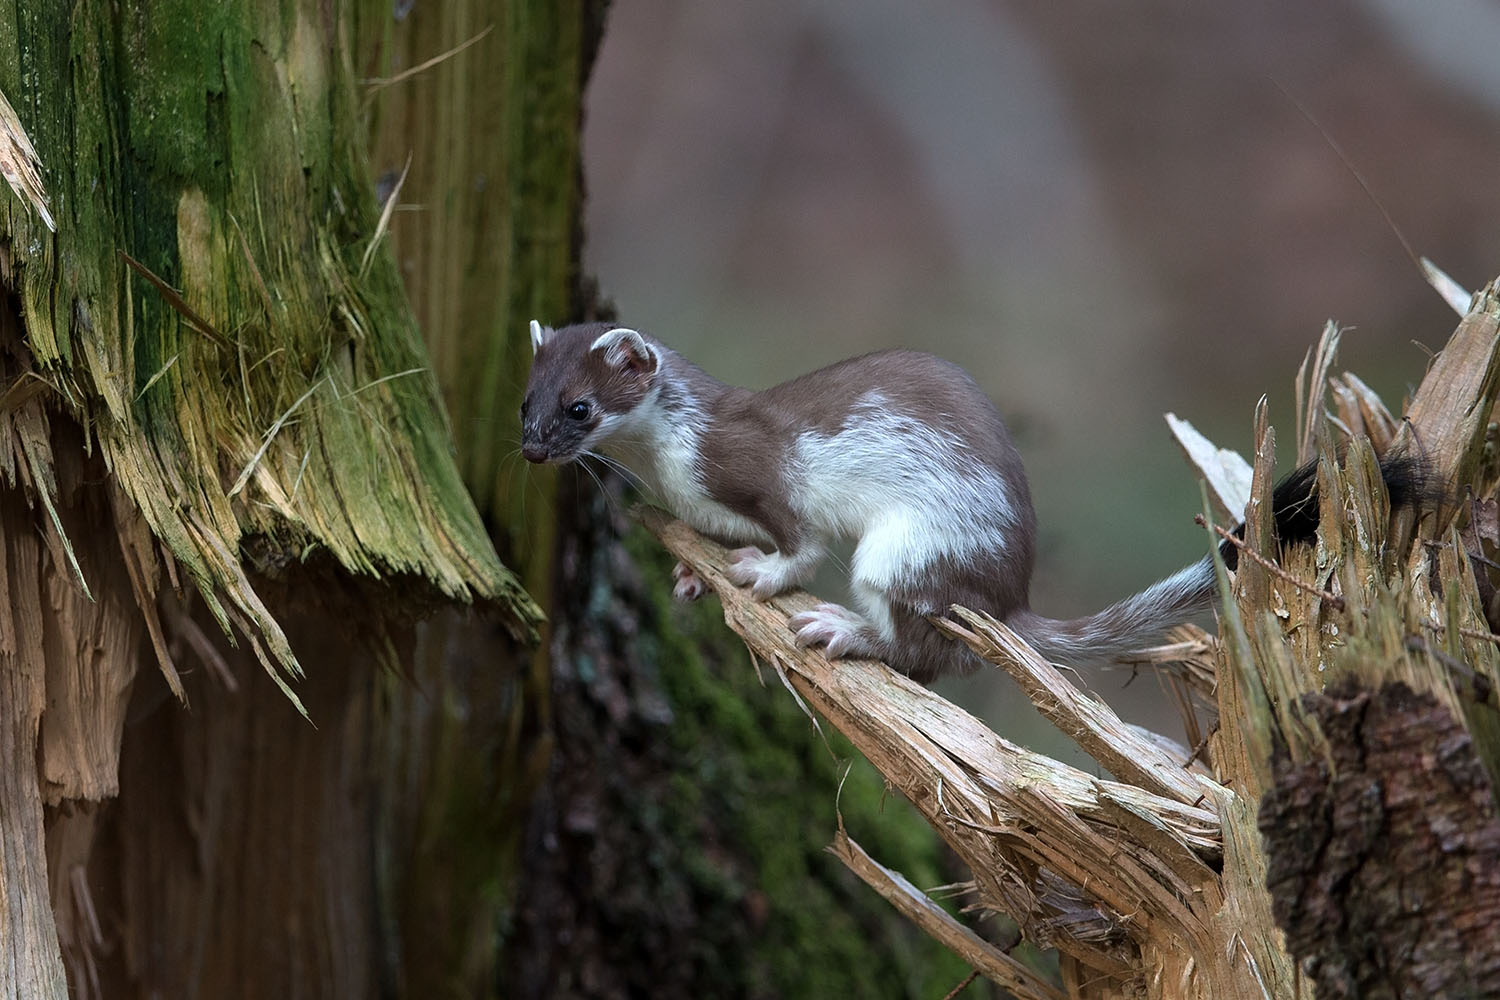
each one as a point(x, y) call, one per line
point(539, 333)
point(625, 348)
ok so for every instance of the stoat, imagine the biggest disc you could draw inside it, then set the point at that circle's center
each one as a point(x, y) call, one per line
point(898, 450)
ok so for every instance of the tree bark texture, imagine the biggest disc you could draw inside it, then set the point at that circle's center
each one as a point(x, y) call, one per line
point(1385, 860)
point(217, 422)
point(474, 108)
point(678, 846)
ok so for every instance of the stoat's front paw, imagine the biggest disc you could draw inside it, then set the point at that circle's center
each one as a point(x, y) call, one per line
point(842, 631)
point(765, 574)
point(687, 585)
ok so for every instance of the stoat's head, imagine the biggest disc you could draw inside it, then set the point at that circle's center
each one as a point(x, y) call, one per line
point(586, 381)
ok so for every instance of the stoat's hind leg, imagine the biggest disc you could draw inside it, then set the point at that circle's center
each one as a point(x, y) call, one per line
point(842, 632)
point(922, 652)
point(914, 647)
point(889, 626)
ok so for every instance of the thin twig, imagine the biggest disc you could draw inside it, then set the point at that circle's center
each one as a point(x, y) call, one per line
point(1334, 600)
point(1467, 633)
point(973, 975)
point(1202, 746)
point(176, 301)
point(1478, 633)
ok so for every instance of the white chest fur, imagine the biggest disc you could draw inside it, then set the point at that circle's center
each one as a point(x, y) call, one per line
point(662, 449)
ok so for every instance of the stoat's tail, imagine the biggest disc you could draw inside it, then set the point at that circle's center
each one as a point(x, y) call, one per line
point(1123, 627)
point(1139, 621)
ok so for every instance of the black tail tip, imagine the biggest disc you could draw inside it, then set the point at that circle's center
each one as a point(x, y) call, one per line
point(1294, 501)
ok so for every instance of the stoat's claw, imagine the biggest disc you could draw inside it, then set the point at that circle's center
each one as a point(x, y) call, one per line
point(839, 629)
point(687, 585)
point(765, 574)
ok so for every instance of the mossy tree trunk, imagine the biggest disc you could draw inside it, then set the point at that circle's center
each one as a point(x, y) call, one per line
point(478, 106)
point(217, 425)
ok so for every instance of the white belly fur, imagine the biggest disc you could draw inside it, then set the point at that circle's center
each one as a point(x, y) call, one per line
point(910, 493)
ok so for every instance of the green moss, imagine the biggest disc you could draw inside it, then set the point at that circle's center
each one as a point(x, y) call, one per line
point(221, 146)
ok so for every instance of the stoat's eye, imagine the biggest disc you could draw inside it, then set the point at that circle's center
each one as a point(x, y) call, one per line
point(579, 410)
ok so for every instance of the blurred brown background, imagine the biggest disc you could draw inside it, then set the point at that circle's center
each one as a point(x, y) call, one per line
point(1104, 211)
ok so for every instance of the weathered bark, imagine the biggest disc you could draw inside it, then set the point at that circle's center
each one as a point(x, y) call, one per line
point(32, 961)
point(1385, 859)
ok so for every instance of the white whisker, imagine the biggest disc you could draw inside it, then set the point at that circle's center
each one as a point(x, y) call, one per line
point(625, 473)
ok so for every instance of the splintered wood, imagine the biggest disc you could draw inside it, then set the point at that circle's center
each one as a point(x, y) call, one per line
point(1090, 866)
point(19, 164)
point(1154, 882)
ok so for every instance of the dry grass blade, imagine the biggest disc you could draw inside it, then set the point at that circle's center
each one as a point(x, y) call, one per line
point(385, 219)
point(378, 84)
point(158, 375)
point(259, 279)
point(27, 387)
point(270, 435)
